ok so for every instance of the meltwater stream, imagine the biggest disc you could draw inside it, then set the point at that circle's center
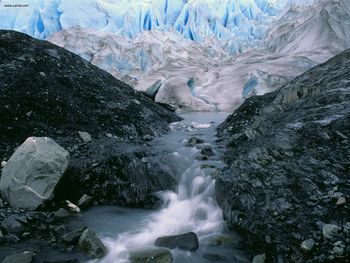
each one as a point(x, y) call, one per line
point(191, 208)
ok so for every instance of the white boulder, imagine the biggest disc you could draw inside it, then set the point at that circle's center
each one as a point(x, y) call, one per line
point(31, 174)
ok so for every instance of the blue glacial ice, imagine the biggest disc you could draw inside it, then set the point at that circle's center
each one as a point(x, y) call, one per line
point(234, 22)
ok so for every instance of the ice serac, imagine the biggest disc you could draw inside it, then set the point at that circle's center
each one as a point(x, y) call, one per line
point(235, 23)
point(161, 64)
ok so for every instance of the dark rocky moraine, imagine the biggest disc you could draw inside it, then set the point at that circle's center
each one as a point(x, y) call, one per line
point(104, 124)
point(287, 183)
point(48, 91)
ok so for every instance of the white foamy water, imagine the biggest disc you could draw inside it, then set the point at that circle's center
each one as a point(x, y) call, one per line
point(192, 207)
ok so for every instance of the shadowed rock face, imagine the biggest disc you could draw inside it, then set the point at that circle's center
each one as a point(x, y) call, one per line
point(288, 164)
point(48, 91)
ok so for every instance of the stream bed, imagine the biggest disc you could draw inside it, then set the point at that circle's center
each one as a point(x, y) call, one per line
point(191, 208)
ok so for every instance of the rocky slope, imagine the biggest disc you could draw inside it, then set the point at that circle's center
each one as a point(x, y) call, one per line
point(287, 183)
point(48, 91)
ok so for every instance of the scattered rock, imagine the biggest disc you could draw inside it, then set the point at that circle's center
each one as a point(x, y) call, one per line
point(292, 172)
point(14, 224)
point(62, 213)
point(259, 258)
point(3, 163)
point(193, 141)
point(137, 102)
point(227, 240)
point(147, 137)
point(31, 174)
point(72, 207)
point(72, 237)
point(308, 245)
point(84, 201)
point(329, 230)
point(91, 244)
point(85, 137)
point(29, 114)
point(341, 201)
point(24, 257)
point(207, 151)
point(339, 248)
point(188, 241)
point(159, 255)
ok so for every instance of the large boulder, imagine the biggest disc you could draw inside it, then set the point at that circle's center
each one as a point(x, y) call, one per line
point(188, 241)
point(30, 176)
point(91, 244)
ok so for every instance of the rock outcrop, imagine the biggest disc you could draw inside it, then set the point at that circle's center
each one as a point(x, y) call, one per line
point(288, 166)
point(32, 173)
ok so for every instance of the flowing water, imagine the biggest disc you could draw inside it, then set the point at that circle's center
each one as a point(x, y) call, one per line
point(191, 208)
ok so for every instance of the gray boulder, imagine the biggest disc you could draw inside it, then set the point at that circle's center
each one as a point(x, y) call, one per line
point(91, 244)
point(159, 255)
point(24, 257)
point(84, 201)
point(31, 174)
point(13, 224)
point(188, 241)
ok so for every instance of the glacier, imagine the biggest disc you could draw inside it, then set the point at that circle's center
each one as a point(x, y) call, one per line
point(195, 55)
point(235, 23)
point(194, 76)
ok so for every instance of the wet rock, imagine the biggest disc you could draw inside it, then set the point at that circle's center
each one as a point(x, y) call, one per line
point(188, 241)
point(308, 245)
point(72, 237)
point(91, 244)
point(259, 258)
point(330, 231)
point(158, 255)
point(85, 137)
point(24, 257)
point(30, 185)
point(207, 151)
point(227, 240)
point(193, 141)
point(14, 224)
point(147, 137)
point(84, 201)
